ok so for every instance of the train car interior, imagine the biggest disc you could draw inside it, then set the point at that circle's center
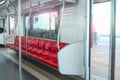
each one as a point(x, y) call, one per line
point(59, 40)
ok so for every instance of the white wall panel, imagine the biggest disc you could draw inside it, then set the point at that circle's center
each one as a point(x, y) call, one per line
point(22, 28)
point(71, 58)
point(73, 23)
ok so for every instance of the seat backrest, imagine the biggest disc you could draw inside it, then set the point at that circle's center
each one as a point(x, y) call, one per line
point(48, 47)
point(23, 38)
point(41, 44)
point(35, 42)
point(30, 41)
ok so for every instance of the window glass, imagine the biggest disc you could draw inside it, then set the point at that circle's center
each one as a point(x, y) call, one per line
point(26, 24)
point(44, 25)
point(26, 21)
point(12, 25)
point(1, 25)
point(41, 21)
point(101, 41)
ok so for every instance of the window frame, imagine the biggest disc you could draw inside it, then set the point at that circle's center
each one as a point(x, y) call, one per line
point(42, 12)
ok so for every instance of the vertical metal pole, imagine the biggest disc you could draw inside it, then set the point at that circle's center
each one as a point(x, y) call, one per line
point(19, 26)
point(90, 25)
point(87, 56)
point(112, 41)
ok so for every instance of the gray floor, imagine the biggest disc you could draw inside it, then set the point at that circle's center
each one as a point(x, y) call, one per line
point(10, 54)
point(100, 59)
point(37, 71)
point(9, 70)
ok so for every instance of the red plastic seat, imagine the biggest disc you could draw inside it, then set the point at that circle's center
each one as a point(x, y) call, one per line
point(47, 51)
point(30, 45)
point(34, 47)
point(41, 49)
point(24, 44)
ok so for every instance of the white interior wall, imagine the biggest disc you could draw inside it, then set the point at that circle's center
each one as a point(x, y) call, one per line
point(73, 30)
point(7, 25)
point(22, 27)
point(73, 23)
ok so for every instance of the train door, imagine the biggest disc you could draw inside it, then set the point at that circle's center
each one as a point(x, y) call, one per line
point(101, 40)
point(2, 31)
point(117, 50)
point(105, 62)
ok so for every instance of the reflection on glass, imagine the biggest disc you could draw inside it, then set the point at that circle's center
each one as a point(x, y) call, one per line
point(43, 21)
point(101, 37)
point(12, 25)
point(117, 66)
point(44, 25)
point(1, 25)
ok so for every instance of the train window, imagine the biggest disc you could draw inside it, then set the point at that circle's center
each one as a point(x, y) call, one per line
point(44, 25)
point(12, 25)
point(2, 21)
point(26, 24)
point(26, 21)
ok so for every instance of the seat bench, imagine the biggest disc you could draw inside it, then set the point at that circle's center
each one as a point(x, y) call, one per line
point(41, 49)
